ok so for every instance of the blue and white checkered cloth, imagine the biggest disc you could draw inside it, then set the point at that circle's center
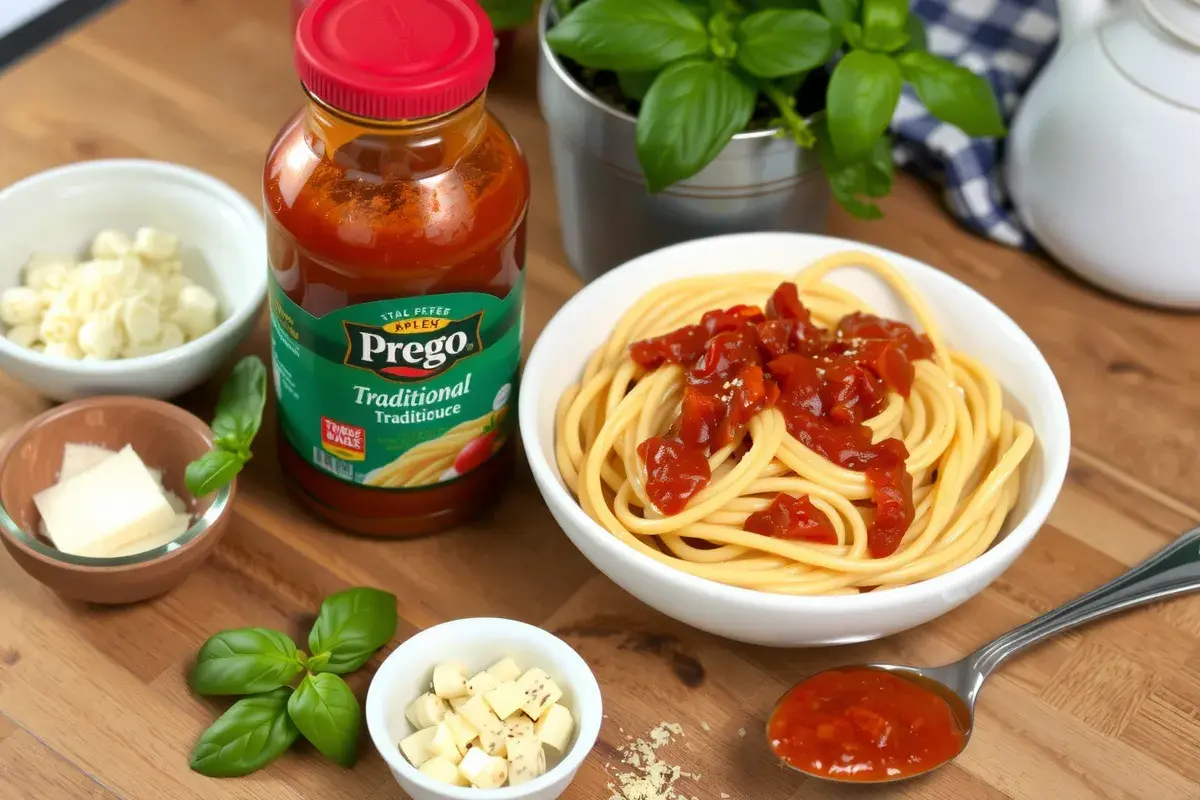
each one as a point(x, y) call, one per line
point(1006, 41)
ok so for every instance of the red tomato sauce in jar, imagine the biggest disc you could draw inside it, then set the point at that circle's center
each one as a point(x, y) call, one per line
point(863, 724)
point(826, 383)
point(396, 209)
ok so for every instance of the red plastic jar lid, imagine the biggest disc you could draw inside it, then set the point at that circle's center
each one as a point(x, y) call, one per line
point(395, 59)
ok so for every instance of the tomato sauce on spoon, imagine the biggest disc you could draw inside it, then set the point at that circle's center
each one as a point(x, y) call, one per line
point(864, 725)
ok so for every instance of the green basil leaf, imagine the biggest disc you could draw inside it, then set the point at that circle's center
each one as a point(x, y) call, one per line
point(953, 93)
point(351, 626)
point(848, 180)
point(885, 24)
point(690, 113)
point(721, 36)
point(317, 663)
point(251, 734)
point(759, 5)
point(860, 101)
point(915, 29)
point(775, 43)
point(853, 33)
point(508, 14)
point(701, 8)
point(211, 471)
point(840, 12)
point(239, 411)
point(245, 661)
point(328, 714)
point(880, 168)
point(634, 85)
point(631, 35)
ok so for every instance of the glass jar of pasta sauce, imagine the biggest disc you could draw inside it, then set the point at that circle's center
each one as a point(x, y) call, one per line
point(395, 208)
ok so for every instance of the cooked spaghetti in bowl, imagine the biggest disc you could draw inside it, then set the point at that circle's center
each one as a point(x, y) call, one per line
point(811, 427)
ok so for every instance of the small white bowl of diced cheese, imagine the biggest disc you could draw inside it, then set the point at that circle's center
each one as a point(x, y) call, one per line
point(125, 277)
point(484, 709)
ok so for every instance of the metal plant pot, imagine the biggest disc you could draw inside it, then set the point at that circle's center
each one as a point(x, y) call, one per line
point(760, 181)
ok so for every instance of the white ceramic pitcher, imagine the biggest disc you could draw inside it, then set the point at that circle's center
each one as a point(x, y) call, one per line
point(1104, 154)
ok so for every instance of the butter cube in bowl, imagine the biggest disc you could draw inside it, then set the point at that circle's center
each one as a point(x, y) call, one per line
point(484, 709)
point(93, 503)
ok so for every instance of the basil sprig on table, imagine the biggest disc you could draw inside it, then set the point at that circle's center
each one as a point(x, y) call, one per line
point(236, 421)
point(351, 626)
point(699, 69)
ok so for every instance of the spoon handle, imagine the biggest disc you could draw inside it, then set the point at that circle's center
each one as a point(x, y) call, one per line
point(1173, 570)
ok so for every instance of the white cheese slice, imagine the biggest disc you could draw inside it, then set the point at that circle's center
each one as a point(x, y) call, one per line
point(79, 458)
point(166, 536)
point(105, 508)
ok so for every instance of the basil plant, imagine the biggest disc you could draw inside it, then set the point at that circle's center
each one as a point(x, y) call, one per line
point(698, 69)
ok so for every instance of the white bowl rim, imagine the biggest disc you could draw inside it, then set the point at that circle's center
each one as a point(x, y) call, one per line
point(970, 574)
point(590, 706)
point(223, 193)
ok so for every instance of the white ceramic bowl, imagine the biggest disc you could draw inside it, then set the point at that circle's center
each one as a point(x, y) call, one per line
point(224, 249)
point(479, 643)
point(970, 323)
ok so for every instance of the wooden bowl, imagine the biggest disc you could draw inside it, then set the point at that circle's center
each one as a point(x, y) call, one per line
point(165, 437)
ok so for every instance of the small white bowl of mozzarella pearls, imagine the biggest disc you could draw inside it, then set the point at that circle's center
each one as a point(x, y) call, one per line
point(484, 709)
point(125, 277)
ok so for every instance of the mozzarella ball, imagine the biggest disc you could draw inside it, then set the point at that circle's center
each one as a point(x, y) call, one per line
point(110, 244)
point(156, 245)
point(45, 275)
point(60, 324)
point(23, 335)
point(140, 319)
point(20, 305)
point(64, 350)
point(101, 338)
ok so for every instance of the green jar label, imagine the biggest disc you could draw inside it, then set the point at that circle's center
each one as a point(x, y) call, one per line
point(398, 394)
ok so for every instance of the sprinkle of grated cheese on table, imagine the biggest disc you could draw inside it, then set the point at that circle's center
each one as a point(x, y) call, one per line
point(650, 778)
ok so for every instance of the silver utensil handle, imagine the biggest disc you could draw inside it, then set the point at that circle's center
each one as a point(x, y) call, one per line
point(1172, 571)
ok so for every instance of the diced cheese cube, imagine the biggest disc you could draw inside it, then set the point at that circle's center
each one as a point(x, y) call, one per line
point(450, 680)
point(166, 536)
point(526, 760)
point(483, 682)
point(540, 692)
point(506, 699)
point(443, 743)
point(426, 710)
point(504, 670)
point(518, 725)
point(79, 458)
point(479, 714)
point(495, 744)
point(483, 770)
point(416, 746)
point(458, 702)
point(555, 727)
point(443, 771)
point(105, 508)
point(464, 732)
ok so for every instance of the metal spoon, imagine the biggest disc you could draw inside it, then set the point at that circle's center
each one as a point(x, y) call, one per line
point(1174, 570)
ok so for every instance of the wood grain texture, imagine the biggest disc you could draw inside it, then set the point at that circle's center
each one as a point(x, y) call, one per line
point(94, 703)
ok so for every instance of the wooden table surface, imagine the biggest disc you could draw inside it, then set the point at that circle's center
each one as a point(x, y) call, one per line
point(94, 703)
